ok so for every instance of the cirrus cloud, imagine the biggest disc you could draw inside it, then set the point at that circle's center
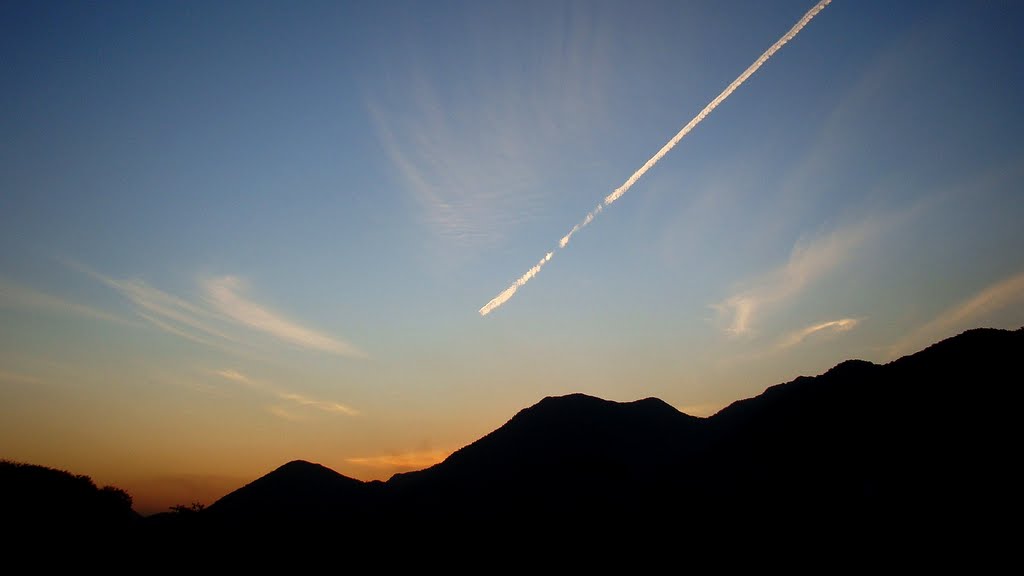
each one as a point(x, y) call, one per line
point(809, 261)
point(225, 294)
point(295, 399)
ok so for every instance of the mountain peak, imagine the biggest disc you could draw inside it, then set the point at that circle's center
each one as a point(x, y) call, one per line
point(579, 401)
point(850, 367)
point(576, 398)
point(294, 488)
point(302, 466)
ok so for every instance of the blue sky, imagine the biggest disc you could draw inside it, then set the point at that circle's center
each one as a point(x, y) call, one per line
point(241, 233)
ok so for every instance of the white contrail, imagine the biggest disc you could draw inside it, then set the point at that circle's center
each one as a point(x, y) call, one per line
point(504, 296)
point(618, 192)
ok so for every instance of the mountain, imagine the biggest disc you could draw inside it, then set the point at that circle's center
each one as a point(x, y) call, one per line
point(921, 444)
point(917, 456)
point(298, 490)
point(578, 455)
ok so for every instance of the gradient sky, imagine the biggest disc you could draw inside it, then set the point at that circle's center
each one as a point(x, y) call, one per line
point(237, 234)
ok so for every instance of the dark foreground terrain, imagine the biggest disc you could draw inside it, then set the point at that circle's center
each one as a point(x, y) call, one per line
point(923, 449)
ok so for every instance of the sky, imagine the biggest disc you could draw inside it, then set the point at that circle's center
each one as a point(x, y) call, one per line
point(236, 234)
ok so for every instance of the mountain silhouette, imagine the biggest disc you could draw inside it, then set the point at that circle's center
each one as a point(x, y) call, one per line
point(912, 443)
point(576, 458)
point(923, 447)
point(298, 490)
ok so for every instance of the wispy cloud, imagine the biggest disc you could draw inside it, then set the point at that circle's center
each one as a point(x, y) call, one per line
point(292, 398)
point(402, 461)
point(167, 312)
point(171, 329)
point(234, 375)
point(469, 196)
point(16, 296)
point(832, 326)
point(224, 294)
point(323, 405)
point(621, 190)
point(213, 322)
point(284, 413)
point(964, 315)
point(808, 261)
point(475, 150)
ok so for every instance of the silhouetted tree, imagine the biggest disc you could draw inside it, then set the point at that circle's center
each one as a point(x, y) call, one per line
point(189, 509)
point(115, 497)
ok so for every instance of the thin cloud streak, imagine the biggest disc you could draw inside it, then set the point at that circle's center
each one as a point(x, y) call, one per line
point(618, 192)
point(833, 326)
point(224, 294)
point(165, 311)
point(284, 414)
point(964, 315)
point(19, 296)
point(323, 405)
point(202, 325)
point(808, 261)
point(171, 329)
point(235, 376)
point(291, 397)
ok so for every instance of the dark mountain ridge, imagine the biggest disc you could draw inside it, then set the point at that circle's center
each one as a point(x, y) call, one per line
point(902, 441)
point(923, 445)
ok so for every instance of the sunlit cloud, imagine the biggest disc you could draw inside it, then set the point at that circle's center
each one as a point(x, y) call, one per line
point(224, 294)
point(621, 190)
point(403, 461)
point(830, 327)
point(808, 261)
point(15, 296)
point(992, 299)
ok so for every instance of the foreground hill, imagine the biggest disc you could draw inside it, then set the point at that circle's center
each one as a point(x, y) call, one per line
point(40, 502)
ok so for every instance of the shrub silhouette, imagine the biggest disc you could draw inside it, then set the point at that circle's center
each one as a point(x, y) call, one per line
point(192, 508)
point(43, 501)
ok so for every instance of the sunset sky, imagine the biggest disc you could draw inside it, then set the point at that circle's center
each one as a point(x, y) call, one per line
point(234, 234)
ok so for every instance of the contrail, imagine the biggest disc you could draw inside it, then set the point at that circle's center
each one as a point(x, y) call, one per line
point(504, 296)
point(618, 192)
